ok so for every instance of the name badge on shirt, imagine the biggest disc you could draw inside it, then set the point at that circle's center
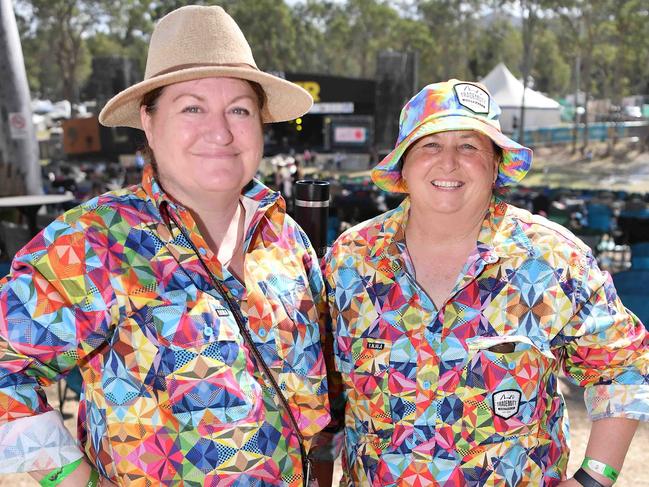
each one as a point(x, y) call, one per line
point(375, 345)
point(506, 403)
point(222, 312)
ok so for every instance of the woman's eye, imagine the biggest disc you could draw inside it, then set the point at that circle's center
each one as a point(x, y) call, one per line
point(468, 148)
point(192, 109)
point(240, 111)
point(433, 146)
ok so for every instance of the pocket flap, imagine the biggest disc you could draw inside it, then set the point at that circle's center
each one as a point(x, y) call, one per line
point(506, 344)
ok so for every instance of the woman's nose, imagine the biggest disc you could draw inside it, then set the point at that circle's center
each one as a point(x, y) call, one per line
point(217, 129)
point(449, 158)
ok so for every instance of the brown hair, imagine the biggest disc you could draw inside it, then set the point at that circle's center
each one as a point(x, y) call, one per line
point(149, 102)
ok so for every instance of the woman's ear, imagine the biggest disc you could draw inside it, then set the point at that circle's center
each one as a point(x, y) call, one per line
point(145, 119)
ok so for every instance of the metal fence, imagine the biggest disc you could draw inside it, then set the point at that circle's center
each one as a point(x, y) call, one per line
point(601, 131)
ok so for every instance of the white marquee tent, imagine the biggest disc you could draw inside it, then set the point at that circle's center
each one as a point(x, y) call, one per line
point(540, 111)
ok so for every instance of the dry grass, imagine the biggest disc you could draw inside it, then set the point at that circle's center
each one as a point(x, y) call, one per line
point(622, 168)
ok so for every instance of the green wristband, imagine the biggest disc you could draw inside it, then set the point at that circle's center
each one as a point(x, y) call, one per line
point(56, 476)
point(601, 468)
point(93, 481)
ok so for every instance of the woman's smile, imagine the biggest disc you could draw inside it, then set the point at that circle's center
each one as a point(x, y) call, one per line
point(446, 185)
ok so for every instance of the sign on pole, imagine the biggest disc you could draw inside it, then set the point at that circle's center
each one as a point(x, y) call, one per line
point(18, 145)
point(18, 125)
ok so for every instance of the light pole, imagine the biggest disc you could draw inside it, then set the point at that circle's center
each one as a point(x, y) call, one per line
point(18, 146)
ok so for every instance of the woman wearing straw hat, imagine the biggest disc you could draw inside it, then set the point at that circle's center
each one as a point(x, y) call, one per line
point(189, 302)
point(454, 313)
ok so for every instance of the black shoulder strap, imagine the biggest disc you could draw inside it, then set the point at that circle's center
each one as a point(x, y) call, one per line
point(245, 333)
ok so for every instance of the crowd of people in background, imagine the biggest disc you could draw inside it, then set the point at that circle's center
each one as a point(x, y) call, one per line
point(601, 218)
point(610, 222)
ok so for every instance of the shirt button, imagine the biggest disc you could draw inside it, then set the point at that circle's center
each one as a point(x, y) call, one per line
point(426, 384)
point(203, 251)
point(208, 331)
point(490, 259)
point(262, 333)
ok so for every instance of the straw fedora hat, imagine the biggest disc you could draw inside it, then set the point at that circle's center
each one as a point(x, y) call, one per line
point(196, 42)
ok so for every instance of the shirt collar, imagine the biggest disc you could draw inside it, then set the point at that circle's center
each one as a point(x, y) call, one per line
point(501, 233)
point(392, 230)
point(255, 190)
point(495, 239)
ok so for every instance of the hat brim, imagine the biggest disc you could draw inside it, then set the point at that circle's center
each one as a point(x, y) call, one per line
point(516, 162)
point(284, 100)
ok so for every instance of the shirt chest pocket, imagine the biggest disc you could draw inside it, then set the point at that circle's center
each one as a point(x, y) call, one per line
point(365, 365)
point(203, 364)
point(503, 387)
point(192, 322)
point(210, 386)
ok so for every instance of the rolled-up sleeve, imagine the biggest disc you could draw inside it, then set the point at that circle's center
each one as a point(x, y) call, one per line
point(52, 316)
point(39, 442)
point(606, 350)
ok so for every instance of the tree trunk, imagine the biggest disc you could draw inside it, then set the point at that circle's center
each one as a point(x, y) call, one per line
point(587, 70)
point(529, 21)
point(575, 126)
point(19, 168)
point(588, 64)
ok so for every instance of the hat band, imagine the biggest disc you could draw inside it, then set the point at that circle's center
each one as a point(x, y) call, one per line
point(182, 67)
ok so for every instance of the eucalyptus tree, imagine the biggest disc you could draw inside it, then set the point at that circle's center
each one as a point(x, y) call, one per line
point(59, 28)
point(127, 29)
point(631, 39)
point(551, 70)
point(586, 28)
point(313, 45)
point(496, 40)
point(345, 38)
point(270, 30)
point(451, 24)
point(532, 15)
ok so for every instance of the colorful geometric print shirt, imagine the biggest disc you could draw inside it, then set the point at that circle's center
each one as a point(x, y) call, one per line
point(171, 393)
point(467, 394)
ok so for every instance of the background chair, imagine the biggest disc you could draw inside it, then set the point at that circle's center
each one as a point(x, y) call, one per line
point(632, 285)
point(72, 385)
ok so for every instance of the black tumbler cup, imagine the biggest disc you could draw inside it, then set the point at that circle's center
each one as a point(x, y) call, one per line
point(312, 211)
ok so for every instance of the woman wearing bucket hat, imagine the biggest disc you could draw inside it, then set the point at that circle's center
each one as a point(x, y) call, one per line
point(190, 302)
point(454, 313)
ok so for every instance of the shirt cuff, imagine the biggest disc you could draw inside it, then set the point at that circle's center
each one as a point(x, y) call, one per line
point(40, 442)
point(617, 401)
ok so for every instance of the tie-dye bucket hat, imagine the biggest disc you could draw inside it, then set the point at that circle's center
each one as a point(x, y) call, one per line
point(451, 105)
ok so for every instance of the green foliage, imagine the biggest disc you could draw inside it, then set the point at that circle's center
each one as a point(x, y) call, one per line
point(451, 24)
point(496, 42)
point(56, 30)
point(268, 26)
point(551, 72)
point(454, 38)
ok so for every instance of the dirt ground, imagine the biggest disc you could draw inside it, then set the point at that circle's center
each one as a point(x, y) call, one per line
point(624, 167)
point(634, 473)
